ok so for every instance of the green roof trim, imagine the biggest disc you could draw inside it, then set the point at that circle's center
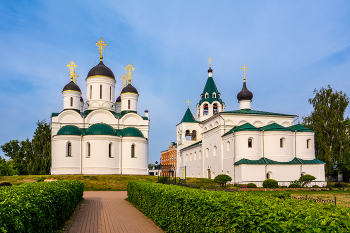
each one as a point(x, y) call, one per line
point(299, 128)
point(188, 117)
point(274, 127)
point(255, 112)
point(270, 161)
point(100, 129)
point(244, 127)
point(194, 144)
point(209, 88)
point(132, 132)
point(69, 130)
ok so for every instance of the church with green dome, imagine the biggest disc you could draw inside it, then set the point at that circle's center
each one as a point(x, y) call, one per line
point(104, 134)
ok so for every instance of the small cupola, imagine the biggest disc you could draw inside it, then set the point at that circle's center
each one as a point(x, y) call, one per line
point(71, 92)
point(129, 95)
point(244, 96)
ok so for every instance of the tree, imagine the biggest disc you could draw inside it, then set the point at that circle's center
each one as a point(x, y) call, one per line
point(6, 168)
point(222, 179)
point(16, 151)
point(327, 121)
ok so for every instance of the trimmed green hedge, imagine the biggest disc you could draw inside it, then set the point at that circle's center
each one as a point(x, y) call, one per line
point(38, 207)
point(180, 209)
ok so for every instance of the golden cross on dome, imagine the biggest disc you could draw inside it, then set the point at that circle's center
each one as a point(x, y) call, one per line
point(101, 46)
point(244, 69)
point(75, 77)
point(129, 71)
point(123, 78)
point(209, 61)
point(188, 103)
point(71, 66)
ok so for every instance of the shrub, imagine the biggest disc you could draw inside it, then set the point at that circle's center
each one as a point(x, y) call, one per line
point(163, 179)
point(41, 179)
point(292, 185)
point(222, 179)
point(337, 185)
point(282, 186)
point(199, 210)
point(251, 185)
point(307, 178)
point(270, 183)
point(282, 195)
point(329, 185)
point(38, 207)
point(315, 186)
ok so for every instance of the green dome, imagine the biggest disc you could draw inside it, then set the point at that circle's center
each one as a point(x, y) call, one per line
point(132, 132)
point(69, 130)
point(100, 129)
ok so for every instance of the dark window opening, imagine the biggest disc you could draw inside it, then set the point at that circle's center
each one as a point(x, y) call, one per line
point(128, 104)
point(188, 135)
point(71, 101)
point(100, 91)
point(194, 135)
point(88, 150)
point(205, 109)
point(215, 108)
point(110, 93)
point(132, 151)
point(110, 150)
point(250, 143)
point(90, 92)
point(69, 149)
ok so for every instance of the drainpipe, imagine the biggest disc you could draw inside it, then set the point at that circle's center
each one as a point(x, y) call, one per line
point(224, 123)
point(301, 163)
point(234, 157)
point(121, 154)
point(263, 138)
point(81, 154)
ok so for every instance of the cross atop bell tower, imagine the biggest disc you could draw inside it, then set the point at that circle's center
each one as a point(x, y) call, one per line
point(101, 46)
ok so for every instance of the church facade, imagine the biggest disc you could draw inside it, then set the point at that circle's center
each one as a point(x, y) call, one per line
point(248, 145)
point(102, 135)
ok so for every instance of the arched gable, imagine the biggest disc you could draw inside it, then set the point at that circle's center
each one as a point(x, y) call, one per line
point(242, 122)
point(286, 124)
point(229, 122)
point(131, 119)
point(258, 124)
point(271, 122)
point(216, 124)
point(70, 116)
point(101, 116)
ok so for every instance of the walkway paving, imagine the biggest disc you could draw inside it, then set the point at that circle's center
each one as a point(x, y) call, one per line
point(107, 211)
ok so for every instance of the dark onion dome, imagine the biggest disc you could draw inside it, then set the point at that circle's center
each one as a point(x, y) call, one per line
point(132, 132)
point(71, 87)
point(244, 94)
point(101, 70)
point(69, 130)
point(129, 89)
point(118, 100)
point(81, 99)
point(100, 129)
point(210, 70)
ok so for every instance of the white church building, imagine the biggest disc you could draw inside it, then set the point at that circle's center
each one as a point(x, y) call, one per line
point(246, 144)
point(102, 135)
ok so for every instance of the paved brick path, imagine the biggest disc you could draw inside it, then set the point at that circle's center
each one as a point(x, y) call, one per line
point(107, 211)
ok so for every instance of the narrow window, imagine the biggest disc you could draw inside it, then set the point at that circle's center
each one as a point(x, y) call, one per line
point(195, 156)
point(191, 157)
point(128, 104)
point(110, 93)
point(186, 157)
point(215, 108)
point(205, 109)
point(100, 91)
point(207, 153)
point(90, 91)
point(110, 150)
point(282, 142)
point(188, 135)
point(308, 143)
point(214, 95)
point(228, 146)
point(215, 151)
point(206, 95)
point(132, 151)
point(200, 155)
point(250, 143)
point(194, 135)
point(88, 149)
point(69, 149)
point(71, 101)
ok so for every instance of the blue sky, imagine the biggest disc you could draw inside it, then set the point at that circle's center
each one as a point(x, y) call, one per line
point(290, 48)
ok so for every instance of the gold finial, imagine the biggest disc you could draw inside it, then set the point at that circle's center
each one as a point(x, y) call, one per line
point(71, 66)
point(188, 103)
point(129, 71)
point(123, 78)
point(75, 79)
point(209, 61)
point(244, 69)
point(101, 46)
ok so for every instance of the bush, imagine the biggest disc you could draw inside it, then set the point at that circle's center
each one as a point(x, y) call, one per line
point(251, 185)
point(270, 183)
point(38, 207)
point(282, 195)
point(329, 185)
point(292, 185)
point(282, 186)
point(337, 185)
point(163, 179)
point(307, 178)
point(222, 179)
point(41, 179)
point(315, 186)
point(199, 210)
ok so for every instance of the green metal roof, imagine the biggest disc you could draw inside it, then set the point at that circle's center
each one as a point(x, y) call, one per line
point(209, 88)
point(255, 112)
point(100, 129)
point(274, 127)
point(132, 132)
point(270, 161)
point(188, 117)
point(69, 130)
point(299, 128)
point(244, 127)
point(194, 144)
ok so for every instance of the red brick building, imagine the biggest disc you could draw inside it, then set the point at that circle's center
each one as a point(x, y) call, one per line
point(168, 158)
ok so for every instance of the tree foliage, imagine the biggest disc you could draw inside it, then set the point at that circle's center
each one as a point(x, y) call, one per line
point(222, 179)
point(330, 127)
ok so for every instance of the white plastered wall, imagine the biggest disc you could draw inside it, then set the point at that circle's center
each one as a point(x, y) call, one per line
point(133, 101)
point(75, 95)
point(137, 165)
point(108, 93)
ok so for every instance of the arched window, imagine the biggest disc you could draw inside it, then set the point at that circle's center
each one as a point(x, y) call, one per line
point(308, 145)
point(194, 135)
point(214, 95)
point(88, 150)
point(206, 95)
point(200, 155)
point(282, 142)
point(269, 175)
point(228, 173)
point(228, 146)
point(128, 104)
point(100, 91)
point(110, 155)
point(215, 151)
point(195, 156)
point(71, 101)
point(215, 108)
point(90, 91)
point(207, 153)
point(110, 93)
point(190, 156)
point(188, 135)
point(250, 142)
point(69, 149)
point(205, 109)
point(186, 157)
point(133, 151)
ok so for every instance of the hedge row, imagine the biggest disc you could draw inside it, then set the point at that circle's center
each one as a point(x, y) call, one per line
point(38, 207)
point(180, 209)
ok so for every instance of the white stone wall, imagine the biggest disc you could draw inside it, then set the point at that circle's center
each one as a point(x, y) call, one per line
point(93, 90)
point(138, 164)
point(133, 101)
point(67, 95)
